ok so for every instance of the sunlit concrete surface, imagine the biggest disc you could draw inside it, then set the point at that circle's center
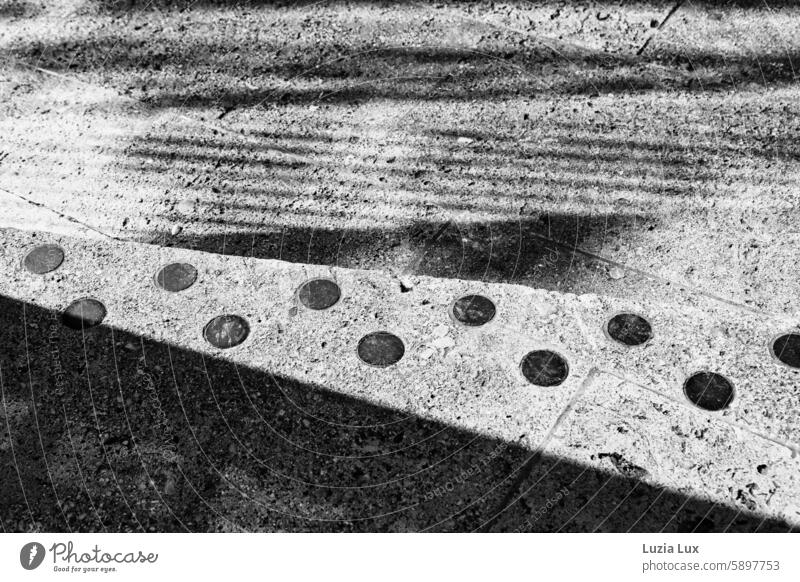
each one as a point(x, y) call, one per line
point(615, 402)
point(569, 160)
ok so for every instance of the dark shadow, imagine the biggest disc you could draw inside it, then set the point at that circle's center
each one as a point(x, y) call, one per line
point(497, 210)
point(246, 201)
point(104, 430)
point(194, 71)
point(18, 9)
point(220, 69)
point(518, 252)
point(483, 212)
point(114, 431)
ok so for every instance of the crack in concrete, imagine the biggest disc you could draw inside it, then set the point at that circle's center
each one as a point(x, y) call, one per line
point(793, 447)
point(62, 215)
point(658, 278)
point(660, 26)
point(527, 467)
point(546, 41)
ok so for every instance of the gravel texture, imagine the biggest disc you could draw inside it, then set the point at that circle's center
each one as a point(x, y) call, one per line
point(568, 160)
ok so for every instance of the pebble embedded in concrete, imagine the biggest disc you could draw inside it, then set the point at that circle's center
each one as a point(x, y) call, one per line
point(616, 273)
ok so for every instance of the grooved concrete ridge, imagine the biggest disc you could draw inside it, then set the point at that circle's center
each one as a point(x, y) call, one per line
point(570, 163)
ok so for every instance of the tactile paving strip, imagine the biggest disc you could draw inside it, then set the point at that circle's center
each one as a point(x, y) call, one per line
point(472, 377)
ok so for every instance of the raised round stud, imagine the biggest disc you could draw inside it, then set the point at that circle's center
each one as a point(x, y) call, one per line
point(318, 294)
point(473, 310)
point(83, 314)
point(226, 331)
point(708, 390)
point(629, 329)
point(544, 368)
point(786, 349)
point(43, 259)
point(176, 277)
point(381, 349)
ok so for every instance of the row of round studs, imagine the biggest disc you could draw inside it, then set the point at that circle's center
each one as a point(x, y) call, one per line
point(707, 390)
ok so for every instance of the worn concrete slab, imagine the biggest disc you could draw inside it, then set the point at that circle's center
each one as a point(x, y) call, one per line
point(451, 378)
point(147, 188)
point(508, 120)
point(60, 139)
point(716, 338)
point(21, 213)
point(687, 340)
point(650, 447)
point(413, 153)
point(287, 339)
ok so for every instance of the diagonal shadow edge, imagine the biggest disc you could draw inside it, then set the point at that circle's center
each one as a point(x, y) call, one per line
point(137, 435)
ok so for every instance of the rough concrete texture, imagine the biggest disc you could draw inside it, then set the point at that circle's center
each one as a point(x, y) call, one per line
point(460, 380)
point(20, 212)
point(571, 160)
point(643, 439)
point(377, 124)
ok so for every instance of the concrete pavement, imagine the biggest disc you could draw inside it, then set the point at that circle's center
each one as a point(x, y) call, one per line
point(414, 154)
point(465, 378)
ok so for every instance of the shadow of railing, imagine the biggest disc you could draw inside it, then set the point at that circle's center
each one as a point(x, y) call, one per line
point(592, 185)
